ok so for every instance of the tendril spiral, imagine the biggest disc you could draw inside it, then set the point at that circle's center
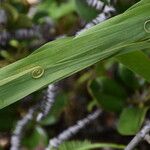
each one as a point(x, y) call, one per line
point(147, 26)
point(37, 72)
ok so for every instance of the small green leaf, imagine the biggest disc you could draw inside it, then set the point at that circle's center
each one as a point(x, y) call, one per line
point(109, 95)
point(111, 87)
point(131, 120)
point(128, 77)
point(138, 62)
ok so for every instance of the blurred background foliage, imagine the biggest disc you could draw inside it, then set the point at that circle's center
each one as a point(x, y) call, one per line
point(25, 25)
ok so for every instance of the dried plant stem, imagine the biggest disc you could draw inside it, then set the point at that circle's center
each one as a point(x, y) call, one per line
point(68, 133)
point(106, 13)
point(142, 135)
point(35, 32)
point(98, 5)
point(19, 34)
point(38, 112)
point(19, 129)
point(47, 103)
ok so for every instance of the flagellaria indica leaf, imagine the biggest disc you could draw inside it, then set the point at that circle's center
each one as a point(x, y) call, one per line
point(62, 58)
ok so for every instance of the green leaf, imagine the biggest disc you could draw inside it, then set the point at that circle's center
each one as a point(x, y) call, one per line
point(110, 87)
point(108, 93)
point(51, 64)
point(138, 62)
point(128, 77)
point(131, 120)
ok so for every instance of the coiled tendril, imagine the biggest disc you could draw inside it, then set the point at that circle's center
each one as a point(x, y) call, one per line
point(147, 26)
point(37, 72)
